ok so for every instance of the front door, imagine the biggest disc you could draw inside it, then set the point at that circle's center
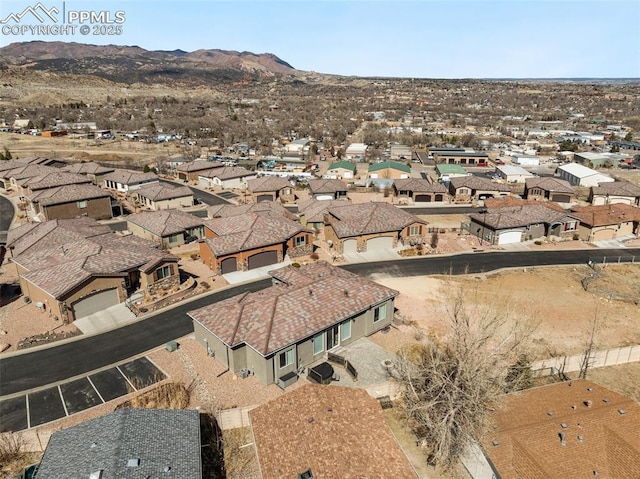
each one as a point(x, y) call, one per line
point(333, 338)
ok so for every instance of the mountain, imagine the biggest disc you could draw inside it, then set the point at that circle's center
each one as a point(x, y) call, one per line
point(133, 64)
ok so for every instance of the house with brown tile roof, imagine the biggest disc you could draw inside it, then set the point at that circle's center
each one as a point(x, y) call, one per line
point(76, 267)
point(309, 310)
point(470, 189)
point(91, 170)
point(328, 189)
point(190, 170)
point(51, 180)
point(311, 212)
point(163, 196)
point(14, 176)
point(550, 189)
point(252, 240)
point(127, 180)
point(616, 192)
point(517, 221)
point(167, 228)
point(331, 431)
point(571, 429)
point(226, 178)
point(418, 190)
point(265, 207)
point(606, 222)
point(367, 226)
point(70, 201)
point(271, 188)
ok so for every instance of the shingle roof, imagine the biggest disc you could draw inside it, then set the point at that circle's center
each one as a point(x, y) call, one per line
point(312, 299)
point(165, 222)
point(314, 210)
point(326, 186)
point(478, 183)
point(67, 194)
point(515, 216)
point(369, 218)
point(267, 183)
point(249, 231)
point(163, 191)
point(53, 179)
point(126, 177)
point(158, 438)
point(618, 188)
point(197, 165)
point(29, 171)
point(265, 207)
point(336, 432)
point(597, 436)
point(418, 185)
point(604, 215)
point(227, 172)
point(389, 164)
point(554, 185)
point(89, 168)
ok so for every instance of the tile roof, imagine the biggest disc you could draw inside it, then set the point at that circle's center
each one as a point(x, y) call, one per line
point(128, 177)
point(163, 191)
point(522, 215)
point(604, 215)
point(227, 172)
point(369, 218)
point(335, 432)
point(389, 164)
point(617, 188)
point(314, 210)
point(492, 203)
point(197, 165)
point(67, 194)
point(29, 171)
point(267, 183)
point(478, 183)
point(165, 222)
point(250, 231)
point(418, 185)
point(159, 438)
point(89, 168)
point(555, 185)
point(53, 179)
point(597, 436)
point(264, 207)
point(326, 186)
point(312, 299)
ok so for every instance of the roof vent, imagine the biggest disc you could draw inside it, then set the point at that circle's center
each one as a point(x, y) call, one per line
point(562, 438)
point(310, 292)
point(573, 406)
point(96, 474)
point(306, 474)
point(605, 400)
point(166, 469)
point(588, 403)
point(580, 437)
point(564, 425)
point(133, 462)
point(93, 444)
point(550, 414)
point(495, 442)
point(589, 389)
point(622, 412)
point(595, 474)
point(310, 420)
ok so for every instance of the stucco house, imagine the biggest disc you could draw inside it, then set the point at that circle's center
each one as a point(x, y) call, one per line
point(51, 180)
point(311, 212)
point(469, 189)
point(388, 170)
point(308, 311)
point(163, 196)
point(15, 173)
point(189, 171)
point(328, 189)
point(271, 188)
point(551, 189)
point(418, 190)
point(607, 222)
point(124, 181)
point(226, 178)
point(91, 170)
point(76, 267)
point(70, 201)
point(252, 240)
point(368, 226)
point(167, 228)
point(341, 170)
point(265, 207)
point(617, 192)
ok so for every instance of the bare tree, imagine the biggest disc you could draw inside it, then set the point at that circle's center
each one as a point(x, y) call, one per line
point(448, 383)
point(587, 357)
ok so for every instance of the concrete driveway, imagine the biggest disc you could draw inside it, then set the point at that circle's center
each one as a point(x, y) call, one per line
point(105, 320)
point(373, 255)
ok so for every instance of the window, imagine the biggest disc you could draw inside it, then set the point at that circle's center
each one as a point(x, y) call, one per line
point(163, 272)
point(286, 191)
point(286, 358)
point(380, 313)
point(414, 230)
point(173, 238)
point(82, 204)
point(571, 226)
point(318, 343)
point(345, 330)
point(301, 240)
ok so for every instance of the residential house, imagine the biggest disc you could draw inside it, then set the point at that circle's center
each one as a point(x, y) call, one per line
point(341, 170)
point(298, 147)
point(551, 189)
point(389, 170)
point(50, 180)
point(418, 190)
point(308, 311)
point(12, 177)
point(70, 201)
point(226, 178)
point(579, 175)
point(163, 196)
point(168, 228)
point(252, 240)
point(470, 189)
point(371, 226)
point(447, 171)
point(400, 152)
point(569, 429)
point(127, 443)
point(328, 189)
point(616, 192)
point(75, 267)
point(91, 170)
point(468, 158)
point(125, 181)
point(513, 174)
point(311, 212)
point(606, 222)
point(317, 422)
point(190, 170)
point(520, 221)
point(271, 188)
point(356, 150)
point(265, 207)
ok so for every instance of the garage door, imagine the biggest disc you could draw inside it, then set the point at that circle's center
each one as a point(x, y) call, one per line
point(604, 235)
point(350, 246)
point(263, 259)
point(510, 237)
point(324, 197)
point(263, 198)
point(561, 198)
point(381, 243)
point(203, 182)
point(96, 302)
point(423, 198)
point(439, 198)
point(229, 265)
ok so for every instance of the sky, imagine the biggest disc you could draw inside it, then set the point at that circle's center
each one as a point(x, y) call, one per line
point(386, 38)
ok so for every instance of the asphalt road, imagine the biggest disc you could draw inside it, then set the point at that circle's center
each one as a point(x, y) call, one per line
point(203, 196)
point(39, 368)
point(6, 216)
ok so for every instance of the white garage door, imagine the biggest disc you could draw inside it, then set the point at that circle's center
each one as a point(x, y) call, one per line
point(324, 197)
point(510, 237)
point(203, 182)
point(350, 246)
point(381, 243)
point(96, 302)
